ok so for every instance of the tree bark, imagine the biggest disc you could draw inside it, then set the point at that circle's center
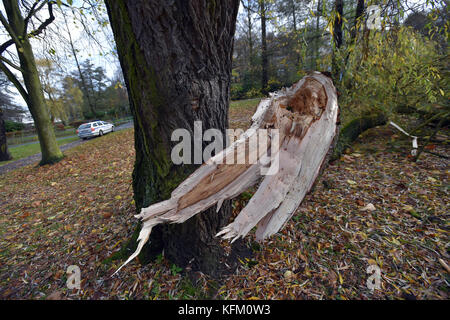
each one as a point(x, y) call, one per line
point(4, 154)
point(176, 60)
point(34, 95)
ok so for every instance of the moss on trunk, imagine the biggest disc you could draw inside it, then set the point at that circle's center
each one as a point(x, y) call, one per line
point(351, 131)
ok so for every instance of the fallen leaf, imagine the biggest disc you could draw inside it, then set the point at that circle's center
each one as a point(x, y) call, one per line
point(107, 215)
point(368, 207)
point(57, 295)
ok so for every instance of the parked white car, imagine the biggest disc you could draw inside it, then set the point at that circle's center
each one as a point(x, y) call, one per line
point(94, 129)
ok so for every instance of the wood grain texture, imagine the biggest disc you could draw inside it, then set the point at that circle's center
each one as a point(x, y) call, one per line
point(306, 116)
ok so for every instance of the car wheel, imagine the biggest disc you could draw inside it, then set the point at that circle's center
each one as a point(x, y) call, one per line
point(100, 133)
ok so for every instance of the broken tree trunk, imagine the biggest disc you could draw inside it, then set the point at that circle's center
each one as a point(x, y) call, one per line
point(300, 123)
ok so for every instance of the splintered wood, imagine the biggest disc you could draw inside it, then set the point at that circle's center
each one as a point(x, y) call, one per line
point(302, 119)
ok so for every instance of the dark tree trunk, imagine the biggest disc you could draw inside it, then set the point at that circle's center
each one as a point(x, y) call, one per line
point(250, 37)
point(264, 59)
point(176, 60)
point(4, 154)
point(358, 14)
point(316, 43)
point(337, 37)
point(354, 31)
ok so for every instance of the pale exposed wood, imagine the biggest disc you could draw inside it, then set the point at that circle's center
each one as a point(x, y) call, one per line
point(306, 116)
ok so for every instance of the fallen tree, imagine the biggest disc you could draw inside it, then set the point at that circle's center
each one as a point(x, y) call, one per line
point(301, 122)
point(351, 131)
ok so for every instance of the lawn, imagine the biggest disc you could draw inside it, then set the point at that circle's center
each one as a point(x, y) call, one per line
point(31, 149)
point(80, 211)
point(241, 112)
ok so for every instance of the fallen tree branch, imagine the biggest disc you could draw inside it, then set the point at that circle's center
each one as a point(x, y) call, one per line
point(301, 124)
point(351, 131)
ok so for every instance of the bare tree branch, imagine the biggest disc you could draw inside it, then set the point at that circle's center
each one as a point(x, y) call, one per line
point(7, 61)
point(11, 77)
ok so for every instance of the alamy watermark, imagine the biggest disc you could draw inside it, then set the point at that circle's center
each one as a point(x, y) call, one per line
point(374, 17)
point(73, 277)
point(374, 280)
point(261, 146)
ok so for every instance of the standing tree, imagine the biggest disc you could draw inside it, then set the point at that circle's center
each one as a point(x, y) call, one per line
point(337, 36)
point(72, 96)
point(16, 26)
point(92, 81)
point(50, 80)
point(176, 59)
point(264, 58)
point(4, 154)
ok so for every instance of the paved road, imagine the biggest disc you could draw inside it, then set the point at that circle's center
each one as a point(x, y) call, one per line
point(36, 157)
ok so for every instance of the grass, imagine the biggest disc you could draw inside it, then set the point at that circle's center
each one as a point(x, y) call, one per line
point(241, 112)
point(19, 138)
point(32, 149)
point(244, 104)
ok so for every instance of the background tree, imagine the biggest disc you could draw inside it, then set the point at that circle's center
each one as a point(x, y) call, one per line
point(16, 26)
point(50, 79)
point(4, 153)
point(264, 58)
point(72, 97)
point(93, 84)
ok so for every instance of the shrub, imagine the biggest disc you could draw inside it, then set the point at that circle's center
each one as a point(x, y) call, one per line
point(273, 85)
point(77, 123)
point(60, 126)
point(11, 126)
point(237, 92)
point(253, 93)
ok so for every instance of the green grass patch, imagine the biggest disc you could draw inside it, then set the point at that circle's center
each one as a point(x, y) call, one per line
point(31, 149)
point(244, 104)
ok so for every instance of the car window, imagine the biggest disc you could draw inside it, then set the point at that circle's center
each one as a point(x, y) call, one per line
point(85, 126)
point(95, 124)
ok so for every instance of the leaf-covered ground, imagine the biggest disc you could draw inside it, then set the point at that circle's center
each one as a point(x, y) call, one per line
point(373, 206)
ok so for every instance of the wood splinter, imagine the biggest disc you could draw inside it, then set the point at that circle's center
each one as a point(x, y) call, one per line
point(305, 116)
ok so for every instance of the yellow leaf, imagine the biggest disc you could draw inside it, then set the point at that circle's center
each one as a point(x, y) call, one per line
point(341, 281)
